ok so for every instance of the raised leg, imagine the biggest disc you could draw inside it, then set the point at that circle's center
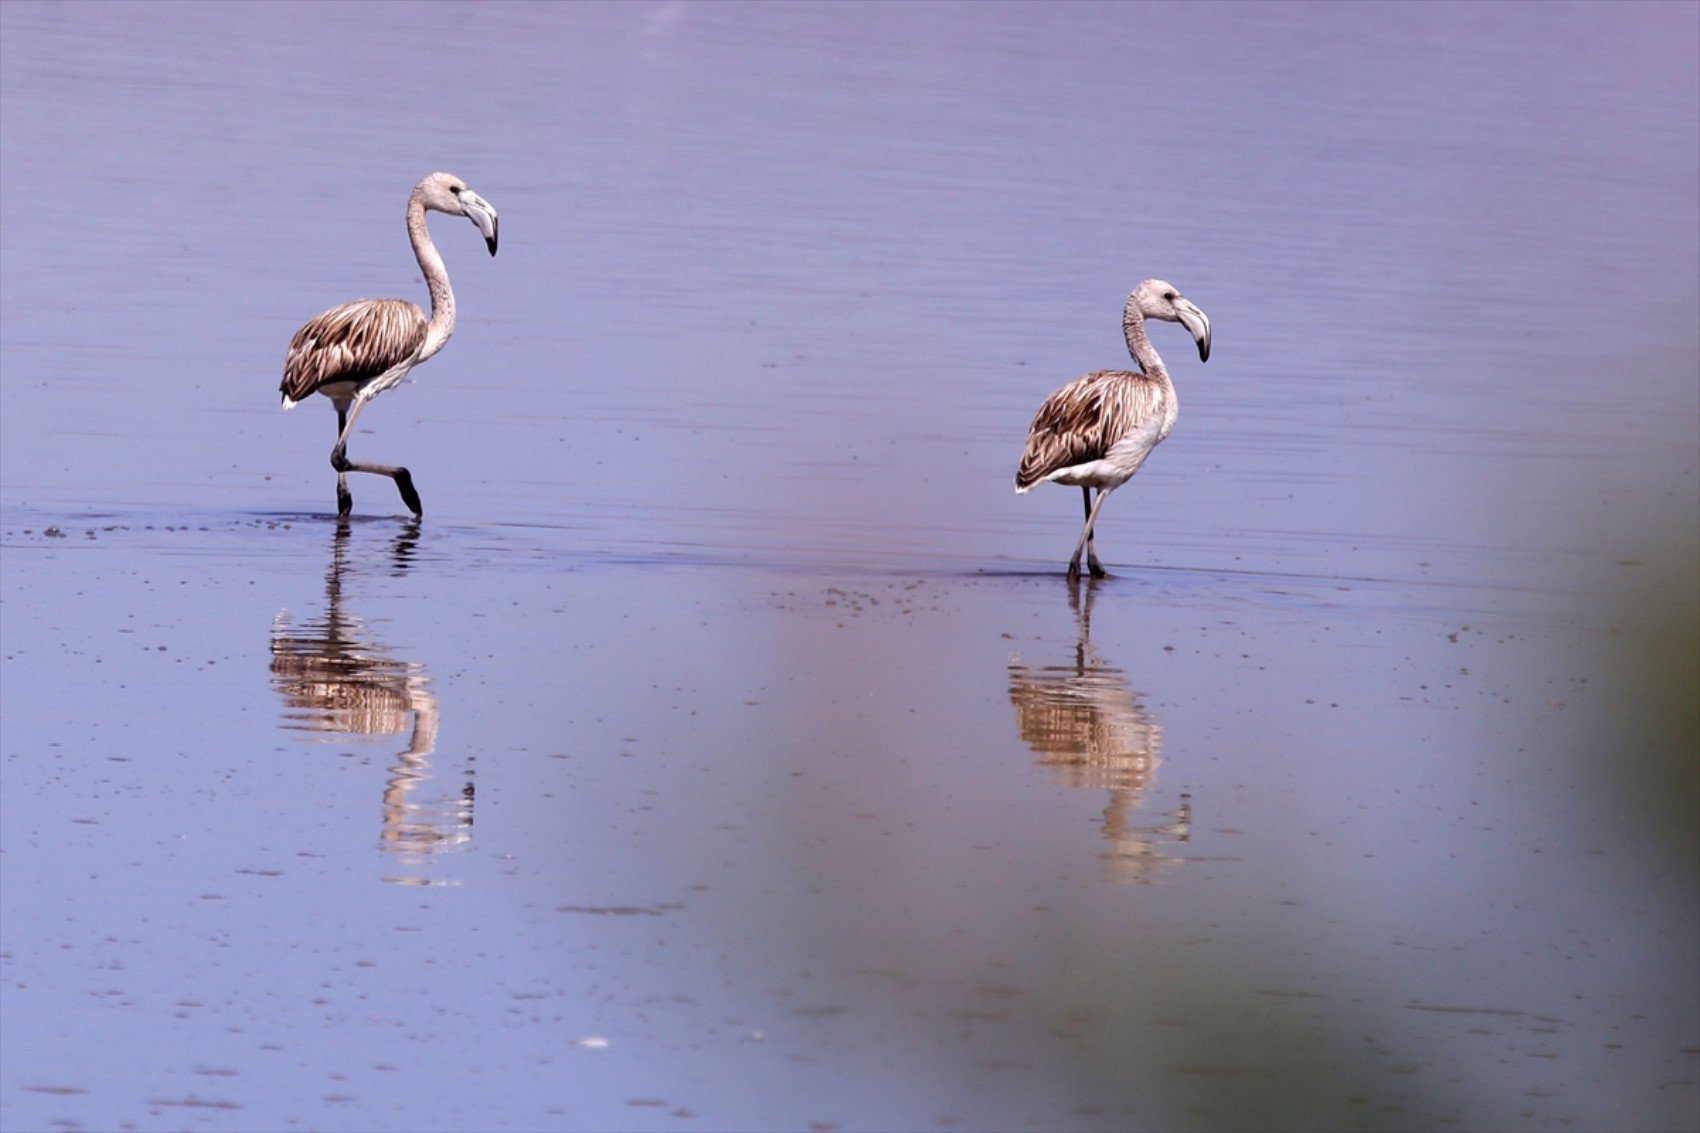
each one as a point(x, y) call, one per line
point(1093, 564)
point(345, 417)
point(404, 484)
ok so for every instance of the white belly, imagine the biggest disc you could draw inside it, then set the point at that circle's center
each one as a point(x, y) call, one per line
point(368, 389)
point(1117, 466)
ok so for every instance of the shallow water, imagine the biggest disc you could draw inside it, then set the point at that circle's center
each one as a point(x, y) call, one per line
point(724, 748)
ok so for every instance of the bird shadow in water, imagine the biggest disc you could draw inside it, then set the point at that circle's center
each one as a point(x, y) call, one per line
point(337, 679)
point(1085, 723)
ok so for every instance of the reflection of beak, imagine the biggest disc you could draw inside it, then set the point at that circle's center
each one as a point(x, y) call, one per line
point(483, 214)
point(1198, 323)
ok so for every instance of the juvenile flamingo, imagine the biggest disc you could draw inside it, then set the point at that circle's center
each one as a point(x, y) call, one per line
point(1097, 430)
point(354, 352)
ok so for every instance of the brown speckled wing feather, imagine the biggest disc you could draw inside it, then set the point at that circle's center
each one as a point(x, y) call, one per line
point(1081, 421)
point(352, 343)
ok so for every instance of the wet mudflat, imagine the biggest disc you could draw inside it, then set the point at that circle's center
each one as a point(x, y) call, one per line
point(625, 842)
point(724, 747)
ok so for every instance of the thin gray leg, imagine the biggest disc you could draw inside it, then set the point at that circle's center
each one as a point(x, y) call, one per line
point(1092, 563)
point(344, 498)
point(345, 419)
point(1086, 537)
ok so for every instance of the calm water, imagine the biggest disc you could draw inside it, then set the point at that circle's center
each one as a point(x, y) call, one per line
point(725, 749)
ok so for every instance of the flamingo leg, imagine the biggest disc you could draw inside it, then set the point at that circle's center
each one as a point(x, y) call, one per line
point(1092, 562)
point(345, 418)
point(344, 498)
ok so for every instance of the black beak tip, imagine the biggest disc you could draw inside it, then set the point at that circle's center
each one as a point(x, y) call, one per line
point(1204, 352)
point(492, 245)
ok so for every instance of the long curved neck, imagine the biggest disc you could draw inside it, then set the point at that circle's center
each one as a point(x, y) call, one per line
point(1138, 345)
point(442, 322)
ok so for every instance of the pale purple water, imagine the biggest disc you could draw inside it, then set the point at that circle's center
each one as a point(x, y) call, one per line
point(724, 750)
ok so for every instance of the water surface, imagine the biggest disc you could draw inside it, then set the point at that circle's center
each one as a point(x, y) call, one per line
point(724, 748)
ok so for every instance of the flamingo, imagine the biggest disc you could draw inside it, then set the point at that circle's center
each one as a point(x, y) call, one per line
point(1097, 430)
point(354, 352)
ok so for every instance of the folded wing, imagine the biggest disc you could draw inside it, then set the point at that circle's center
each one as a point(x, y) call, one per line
point(355, 343)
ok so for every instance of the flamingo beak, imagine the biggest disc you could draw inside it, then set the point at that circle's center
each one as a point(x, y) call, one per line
point(1198, 323)
point(483, 214)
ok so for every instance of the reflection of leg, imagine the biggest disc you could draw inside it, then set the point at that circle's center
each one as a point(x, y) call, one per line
point(405, 541)
point(1086, 537)
point(339, 461)
point(1083, 619)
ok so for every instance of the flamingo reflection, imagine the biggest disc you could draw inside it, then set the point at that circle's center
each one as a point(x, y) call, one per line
point(1086, 723)
point(337, 679)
